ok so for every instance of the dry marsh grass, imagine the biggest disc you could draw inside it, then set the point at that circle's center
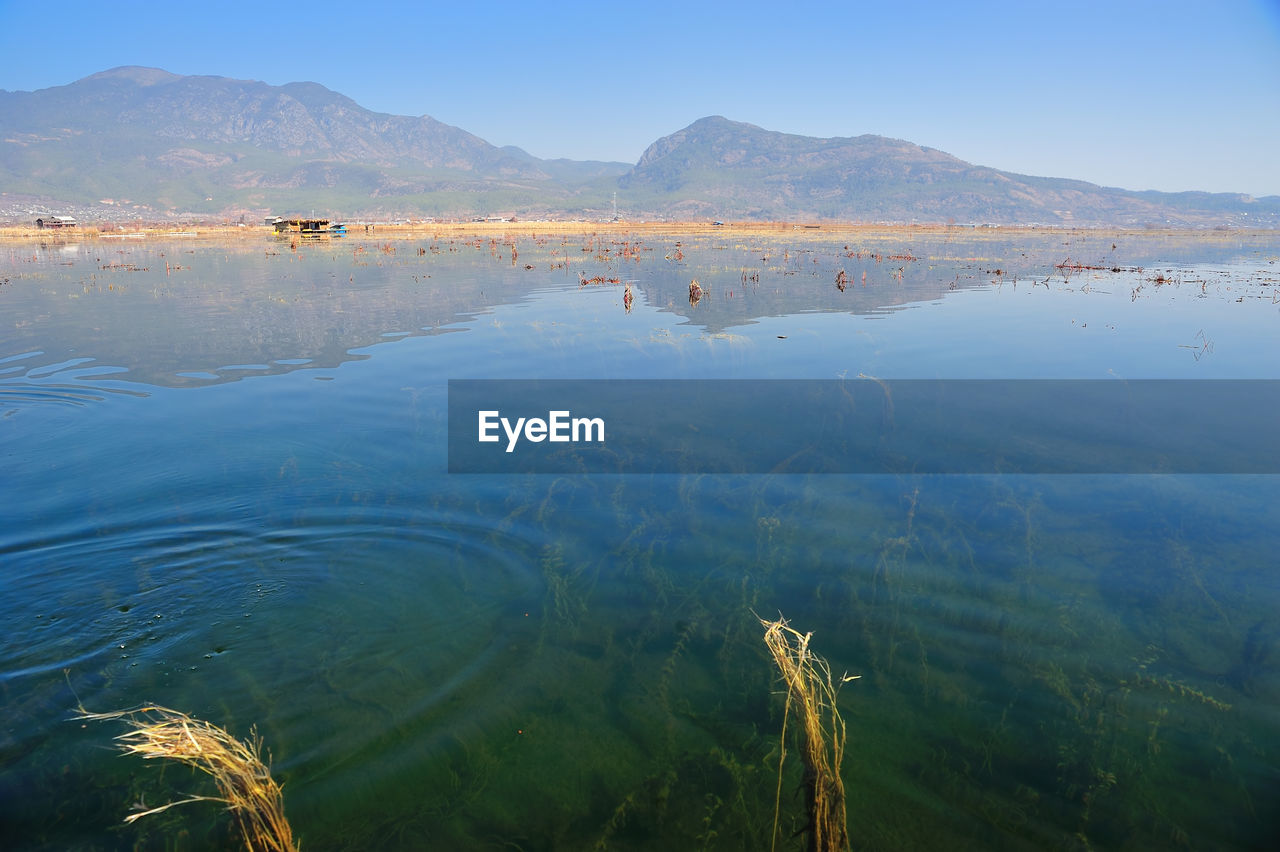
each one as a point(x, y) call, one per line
point(812, 691)
point(244, 782)
point(794, 230)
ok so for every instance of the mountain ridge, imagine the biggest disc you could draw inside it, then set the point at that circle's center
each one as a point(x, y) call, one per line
point(146, 141)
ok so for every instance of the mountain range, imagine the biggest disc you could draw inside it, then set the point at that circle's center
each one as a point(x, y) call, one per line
point(144, 143)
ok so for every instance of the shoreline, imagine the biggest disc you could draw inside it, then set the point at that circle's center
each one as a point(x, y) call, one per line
point(25, 233)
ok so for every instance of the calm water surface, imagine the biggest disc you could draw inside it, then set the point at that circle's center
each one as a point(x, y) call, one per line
point(224, 490)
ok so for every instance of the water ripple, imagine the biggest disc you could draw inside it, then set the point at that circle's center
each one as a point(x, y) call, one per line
point(383, 618)
point(75, 383)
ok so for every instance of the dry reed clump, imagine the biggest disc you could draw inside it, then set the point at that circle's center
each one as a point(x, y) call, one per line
point(243, 780)
point(812, 689)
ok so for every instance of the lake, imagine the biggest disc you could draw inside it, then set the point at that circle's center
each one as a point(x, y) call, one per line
point(226, 490)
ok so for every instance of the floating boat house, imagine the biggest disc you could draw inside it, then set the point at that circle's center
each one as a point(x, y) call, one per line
point(306, 226)
point(56, 222)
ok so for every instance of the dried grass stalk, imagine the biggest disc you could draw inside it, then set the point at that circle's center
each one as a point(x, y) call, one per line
point(243, 780)
point(811, 688)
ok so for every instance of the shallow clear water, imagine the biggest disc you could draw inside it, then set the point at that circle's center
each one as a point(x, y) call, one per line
point(224, 491)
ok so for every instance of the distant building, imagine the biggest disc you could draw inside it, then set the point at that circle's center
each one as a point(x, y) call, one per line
point(56, 222)
point(308, 226)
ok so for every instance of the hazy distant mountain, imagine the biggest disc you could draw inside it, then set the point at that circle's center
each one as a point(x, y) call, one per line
point(208, 144)
point(727, 169)
point(142, 141)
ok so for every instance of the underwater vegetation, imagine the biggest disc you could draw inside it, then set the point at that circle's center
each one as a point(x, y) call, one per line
point(574, 662)
point(244, 782)
point(811, 690)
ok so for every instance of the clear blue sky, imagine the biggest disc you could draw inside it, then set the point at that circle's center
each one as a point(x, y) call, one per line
point(1142, 95)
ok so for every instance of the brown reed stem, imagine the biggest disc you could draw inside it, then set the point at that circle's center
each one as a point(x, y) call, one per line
point(812, 689)
point(243, 780)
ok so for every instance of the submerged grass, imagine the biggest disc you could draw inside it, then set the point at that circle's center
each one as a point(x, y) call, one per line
point(812, 689)
point(243, 780)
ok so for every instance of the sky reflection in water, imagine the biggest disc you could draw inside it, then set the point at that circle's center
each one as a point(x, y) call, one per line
point(226, 492)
